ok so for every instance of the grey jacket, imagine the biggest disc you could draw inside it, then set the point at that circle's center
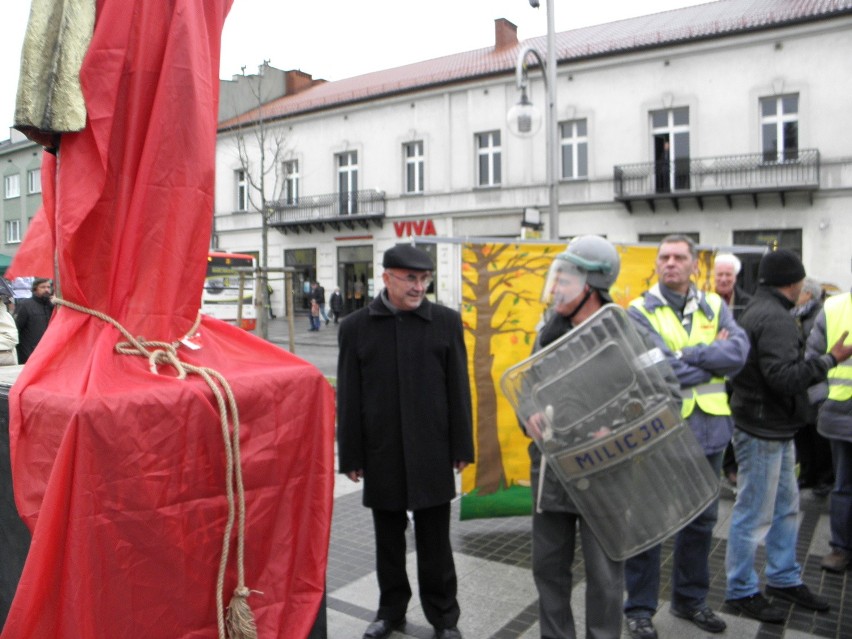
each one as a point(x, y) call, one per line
point(835, 418)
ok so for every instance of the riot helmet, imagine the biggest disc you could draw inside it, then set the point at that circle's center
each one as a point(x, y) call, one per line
point(588, 259)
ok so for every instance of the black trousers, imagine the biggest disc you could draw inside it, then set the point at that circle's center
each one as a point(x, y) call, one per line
point(436, 571)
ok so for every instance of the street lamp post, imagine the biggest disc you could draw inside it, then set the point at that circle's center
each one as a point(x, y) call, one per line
point(524, 119)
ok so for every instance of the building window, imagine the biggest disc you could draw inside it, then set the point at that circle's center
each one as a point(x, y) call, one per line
point(34, 181)
point(13, 231)
point(347, 182)
point(670, 137)
point(414, 163)
point(488, 158)
point(242, 190)
point(790, 239)
point(291, 182)
point(575, 153)
point(779, 128)
point(12, 186)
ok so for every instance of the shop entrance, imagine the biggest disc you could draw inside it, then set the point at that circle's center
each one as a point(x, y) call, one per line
point(355, 276)
point(305, 261)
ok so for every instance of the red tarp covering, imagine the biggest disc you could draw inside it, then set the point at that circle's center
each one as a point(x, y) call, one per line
point(120, 473)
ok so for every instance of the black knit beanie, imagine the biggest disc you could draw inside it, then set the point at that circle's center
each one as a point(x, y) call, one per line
point(780, 268)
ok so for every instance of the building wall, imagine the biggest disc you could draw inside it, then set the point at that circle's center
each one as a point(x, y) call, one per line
point(721, 82)
point(18, 156)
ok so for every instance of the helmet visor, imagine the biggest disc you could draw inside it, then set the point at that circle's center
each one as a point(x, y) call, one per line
point(565, 282)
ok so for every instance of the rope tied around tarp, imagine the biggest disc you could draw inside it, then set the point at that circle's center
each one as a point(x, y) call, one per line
point(239, 618)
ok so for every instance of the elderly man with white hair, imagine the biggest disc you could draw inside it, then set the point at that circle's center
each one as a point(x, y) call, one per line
point(726, 267)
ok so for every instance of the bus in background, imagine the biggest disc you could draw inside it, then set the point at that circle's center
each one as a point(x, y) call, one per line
point(221, 293)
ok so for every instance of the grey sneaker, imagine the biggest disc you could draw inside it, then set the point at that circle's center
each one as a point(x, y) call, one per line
point(641, 628)
point(703, 617)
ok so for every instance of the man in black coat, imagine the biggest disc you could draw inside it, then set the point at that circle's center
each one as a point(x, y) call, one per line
point(769, 404)
point(404, 424)
point(32, 316)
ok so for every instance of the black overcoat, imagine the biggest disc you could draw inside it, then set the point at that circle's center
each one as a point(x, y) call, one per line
point(403, 404)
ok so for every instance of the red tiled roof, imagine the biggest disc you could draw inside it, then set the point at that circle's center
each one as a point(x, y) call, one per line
point(714, 19)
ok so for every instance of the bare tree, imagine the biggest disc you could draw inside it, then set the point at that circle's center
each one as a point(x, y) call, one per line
point(261, 148)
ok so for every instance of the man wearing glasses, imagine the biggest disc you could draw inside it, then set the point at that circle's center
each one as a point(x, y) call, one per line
point(404, 425)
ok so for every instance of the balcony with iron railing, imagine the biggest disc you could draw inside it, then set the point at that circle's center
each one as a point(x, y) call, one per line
point(723, 176)
point(348, 209)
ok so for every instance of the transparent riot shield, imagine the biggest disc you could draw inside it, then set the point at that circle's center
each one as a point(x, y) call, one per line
point(610, 430)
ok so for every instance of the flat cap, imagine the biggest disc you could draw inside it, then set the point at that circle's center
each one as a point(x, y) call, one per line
point(407, 256)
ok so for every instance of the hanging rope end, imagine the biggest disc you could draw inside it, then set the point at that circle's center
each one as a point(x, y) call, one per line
point(240, 618)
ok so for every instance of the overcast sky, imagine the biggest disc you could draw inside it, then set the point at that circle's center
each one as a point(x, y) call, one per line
point(335, 39)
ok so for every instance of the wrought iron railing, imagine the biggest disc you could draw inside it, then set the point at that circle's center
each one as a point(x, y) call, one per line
point(724, 174)
point(328, 207)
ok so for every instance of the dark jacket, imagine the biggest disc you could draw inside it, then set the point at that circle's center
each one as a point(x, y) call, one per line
point(31, 316)
point(403, 404)
point(806, 315)
point(770, 393)
point(336, 302)
point(741, 300)
point(318, 294)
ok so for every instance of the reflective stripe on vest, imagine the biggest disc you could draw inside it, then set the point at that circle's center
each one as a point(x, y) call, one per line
point(838, 318)
point(710, 397)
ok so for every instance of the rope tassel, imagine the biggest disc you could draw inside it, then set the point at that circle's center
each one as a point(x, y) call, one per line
point(240, 618)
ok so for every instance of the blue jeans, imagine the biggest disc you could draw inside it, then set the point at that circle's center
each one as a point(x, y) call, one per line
point(840, 507)
point(767, 507)
point(690, 570)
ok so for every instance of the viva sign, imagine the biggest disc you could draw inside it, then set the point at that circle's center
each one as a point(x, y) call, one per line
point(414, 227)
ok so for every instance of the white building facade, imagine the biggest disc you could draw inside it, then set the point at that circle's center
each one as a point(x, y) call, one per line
point(726, 121)
point(20, 160)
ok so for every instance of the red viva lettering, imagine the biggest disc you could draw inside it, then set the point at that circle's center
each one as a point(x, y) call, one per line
point(415, 227)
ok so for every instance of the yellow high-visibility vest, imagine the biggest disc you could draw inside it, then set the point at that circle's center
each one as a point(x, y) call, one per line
point(711, 396)
point(838, 318)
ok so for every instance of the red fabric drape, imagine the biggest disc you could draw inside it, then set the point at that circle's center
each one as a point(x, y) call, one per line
point(119, 472)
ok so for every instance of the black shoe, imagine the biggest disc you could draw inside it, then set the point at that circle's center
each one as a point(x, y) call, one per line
point(757, 607)
point(382, 628)
point(822, 490)
point(641, 628)
point(448, 633)
point(703, 617)
point(799, 595)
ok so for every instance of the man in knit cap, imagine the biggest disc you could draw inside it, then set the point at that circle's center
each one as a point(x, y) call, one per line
point(769, 404)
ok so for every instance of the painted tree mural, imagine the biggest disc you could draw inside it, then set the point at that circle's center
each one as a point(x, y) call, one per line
point(501, 297)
